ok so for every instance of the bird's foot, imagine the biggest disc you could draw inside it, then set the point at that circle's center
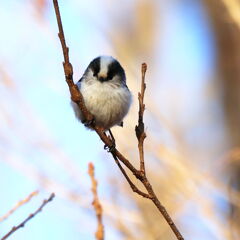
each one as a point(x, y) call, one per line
point(89, 123)
point(111, 148)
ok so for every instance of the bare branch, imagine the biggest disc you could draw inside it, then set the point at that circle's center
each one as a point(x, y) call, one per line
point(96, 204)
point(14, 229)
point(132, 185)
point(76, 96)
point(19, 204)
point(139, 129)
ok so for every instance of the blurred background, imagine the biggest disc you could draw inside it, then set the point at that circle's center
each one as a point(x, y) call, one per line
point(192, 118)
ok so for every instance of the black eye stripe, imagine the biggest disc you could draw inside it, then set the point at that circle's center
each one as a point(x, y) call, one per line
point(110, 74)
point(95, 66)
point(115, 69)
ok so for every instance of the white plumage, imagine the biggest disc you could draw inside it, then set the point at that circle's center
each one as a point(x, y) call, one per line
point(105, 92)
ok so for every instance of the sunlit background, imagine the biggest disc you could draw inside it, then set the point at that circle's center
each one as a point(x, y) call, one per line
point(192, 118)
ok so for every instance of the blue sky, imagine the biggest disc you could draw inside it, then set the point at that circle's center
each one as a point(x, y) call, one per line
point(38, 116)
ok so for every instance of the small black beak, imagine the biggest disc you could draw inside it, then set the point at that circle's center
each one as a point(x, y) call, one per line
point(102, 79)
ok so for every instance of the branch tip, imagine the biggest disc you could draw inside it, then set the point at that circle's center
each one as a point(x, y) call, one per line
point(144, 68)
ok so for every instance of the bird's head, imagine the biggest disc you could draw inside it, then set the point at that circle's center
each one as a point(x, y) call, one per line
point(106, 69)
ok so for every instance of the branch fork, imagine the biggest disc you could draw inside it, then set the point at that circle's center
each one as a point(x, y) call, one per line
point(140, 174)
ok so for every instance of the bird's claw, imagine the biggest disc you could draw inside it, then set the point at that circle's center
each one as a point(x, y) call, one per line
point(89, 123)
point(111, 148)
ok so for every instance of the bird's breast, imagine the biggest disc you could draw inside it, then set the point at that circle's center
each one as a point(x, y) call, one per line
point(108, 102)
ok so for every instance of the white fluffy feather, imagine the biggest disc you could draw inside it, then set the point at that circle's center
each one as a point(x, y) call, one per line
point(108, 101)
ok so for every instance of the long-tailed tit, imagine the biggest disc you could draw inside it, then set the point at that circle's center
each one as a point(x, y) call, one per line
point(105, 93)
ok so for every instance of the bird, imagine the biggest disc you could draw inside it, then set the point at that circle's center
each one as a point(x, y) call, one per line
point(105, 93)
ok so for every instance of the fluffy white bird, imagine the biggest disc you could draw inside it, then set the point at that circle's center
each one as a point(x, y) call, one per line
point(105, 93)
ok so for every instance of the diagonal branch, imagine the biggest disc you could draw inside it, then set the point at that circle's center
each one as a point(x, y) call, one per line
point(18, 205)
point(77, 97)
point(14, 229)
point(132, 185)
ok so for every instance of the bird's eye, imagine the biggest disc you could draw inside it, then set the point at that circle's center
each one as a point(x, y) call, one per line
point(110, 75)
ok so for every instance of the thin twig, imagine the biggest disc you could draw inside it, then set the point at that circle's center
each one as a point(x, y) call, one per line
point(14, 229)
point(18, 205)
point(139, 129)
point(132, 185)
point(96, 204)
point(76, 96)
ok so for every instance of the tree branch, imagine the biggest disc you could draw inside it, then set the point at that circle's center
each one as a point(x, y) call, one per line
point(132, 185)
point(18, 205)
point(14, 229)
point(139, 129)
point(96, 204)
point(76, 96)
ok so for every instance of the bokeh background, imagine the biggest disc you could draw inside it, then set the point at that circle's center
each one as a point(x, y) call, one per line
point(192, 118)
